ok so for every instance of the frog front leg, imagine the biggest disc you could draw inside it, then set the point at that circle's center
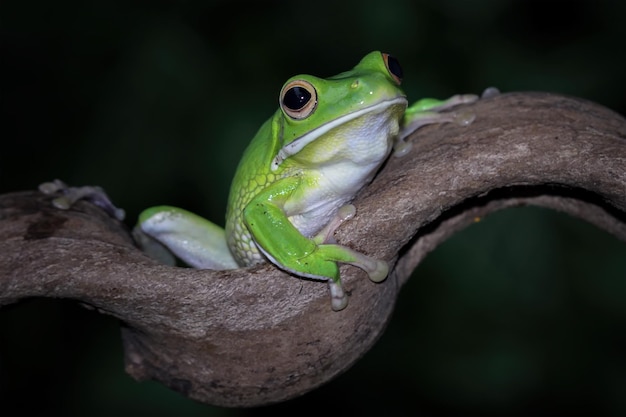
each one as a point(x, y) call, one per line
point(281, 242)
point(428, 111)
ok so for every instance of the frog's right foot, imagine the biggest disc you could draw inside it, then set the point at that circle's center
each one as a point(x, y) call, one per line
point(68, 196)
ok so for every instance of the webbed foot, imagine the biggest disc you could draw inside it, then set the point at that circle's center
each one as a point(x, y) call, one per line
point(428, 111)
point(70, 195)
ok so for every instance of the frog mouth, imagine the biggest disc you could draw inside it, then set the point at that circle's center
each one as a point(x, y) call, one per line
point(298, 144)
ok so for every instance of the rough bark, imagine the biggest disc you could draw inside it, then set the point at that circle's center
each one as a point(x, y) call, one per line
point(255, 336)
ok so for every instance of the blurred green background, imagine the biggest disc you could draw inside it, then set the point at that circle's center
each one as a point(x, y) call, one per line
point(521, 314)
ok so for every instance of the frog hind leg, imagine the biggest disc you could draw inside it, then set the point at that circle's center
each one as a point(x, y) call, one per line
point(195, 240)
point(68, 196)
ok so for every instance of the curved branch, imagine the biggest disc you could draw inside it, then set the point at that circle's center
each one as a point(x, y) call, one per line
point(257, 335)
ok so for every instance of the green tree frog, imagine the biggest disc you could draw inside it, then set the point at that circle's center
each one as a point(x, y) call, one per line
point(296, 179)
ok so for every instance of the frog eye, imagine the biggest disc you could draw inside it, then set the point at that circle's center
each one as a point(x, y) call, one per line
point(394, 68)
point(298, 99)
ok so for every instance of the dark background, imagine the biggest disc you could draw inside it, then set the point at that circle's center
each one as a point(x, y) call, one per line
point(521, 314)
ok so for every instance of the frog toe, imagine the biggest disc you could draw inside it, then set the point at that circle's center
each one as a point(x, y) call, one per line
point(379, 272)
point(338, 297)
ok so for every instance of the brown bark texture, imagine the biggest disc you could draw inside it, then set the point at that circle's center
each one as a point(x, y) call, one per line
point(255, 336)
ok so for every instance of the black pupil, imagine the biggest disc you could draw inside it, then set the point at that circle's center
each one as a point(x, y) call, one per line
point(296, 98)
point(394, 66)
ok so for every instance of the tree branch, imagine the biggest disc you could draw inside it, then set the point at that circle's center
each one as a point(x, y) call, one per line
point(257, 335)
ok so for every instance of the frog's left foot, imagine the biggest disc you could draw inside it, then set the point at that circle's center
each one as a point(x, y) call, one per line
point(70, 195)
point(433, 105)
point(428, 111)
point(338, 298)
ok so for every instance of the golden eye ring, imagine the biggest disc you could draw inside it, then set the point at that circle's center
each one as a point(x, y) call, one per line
point(298, 99)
